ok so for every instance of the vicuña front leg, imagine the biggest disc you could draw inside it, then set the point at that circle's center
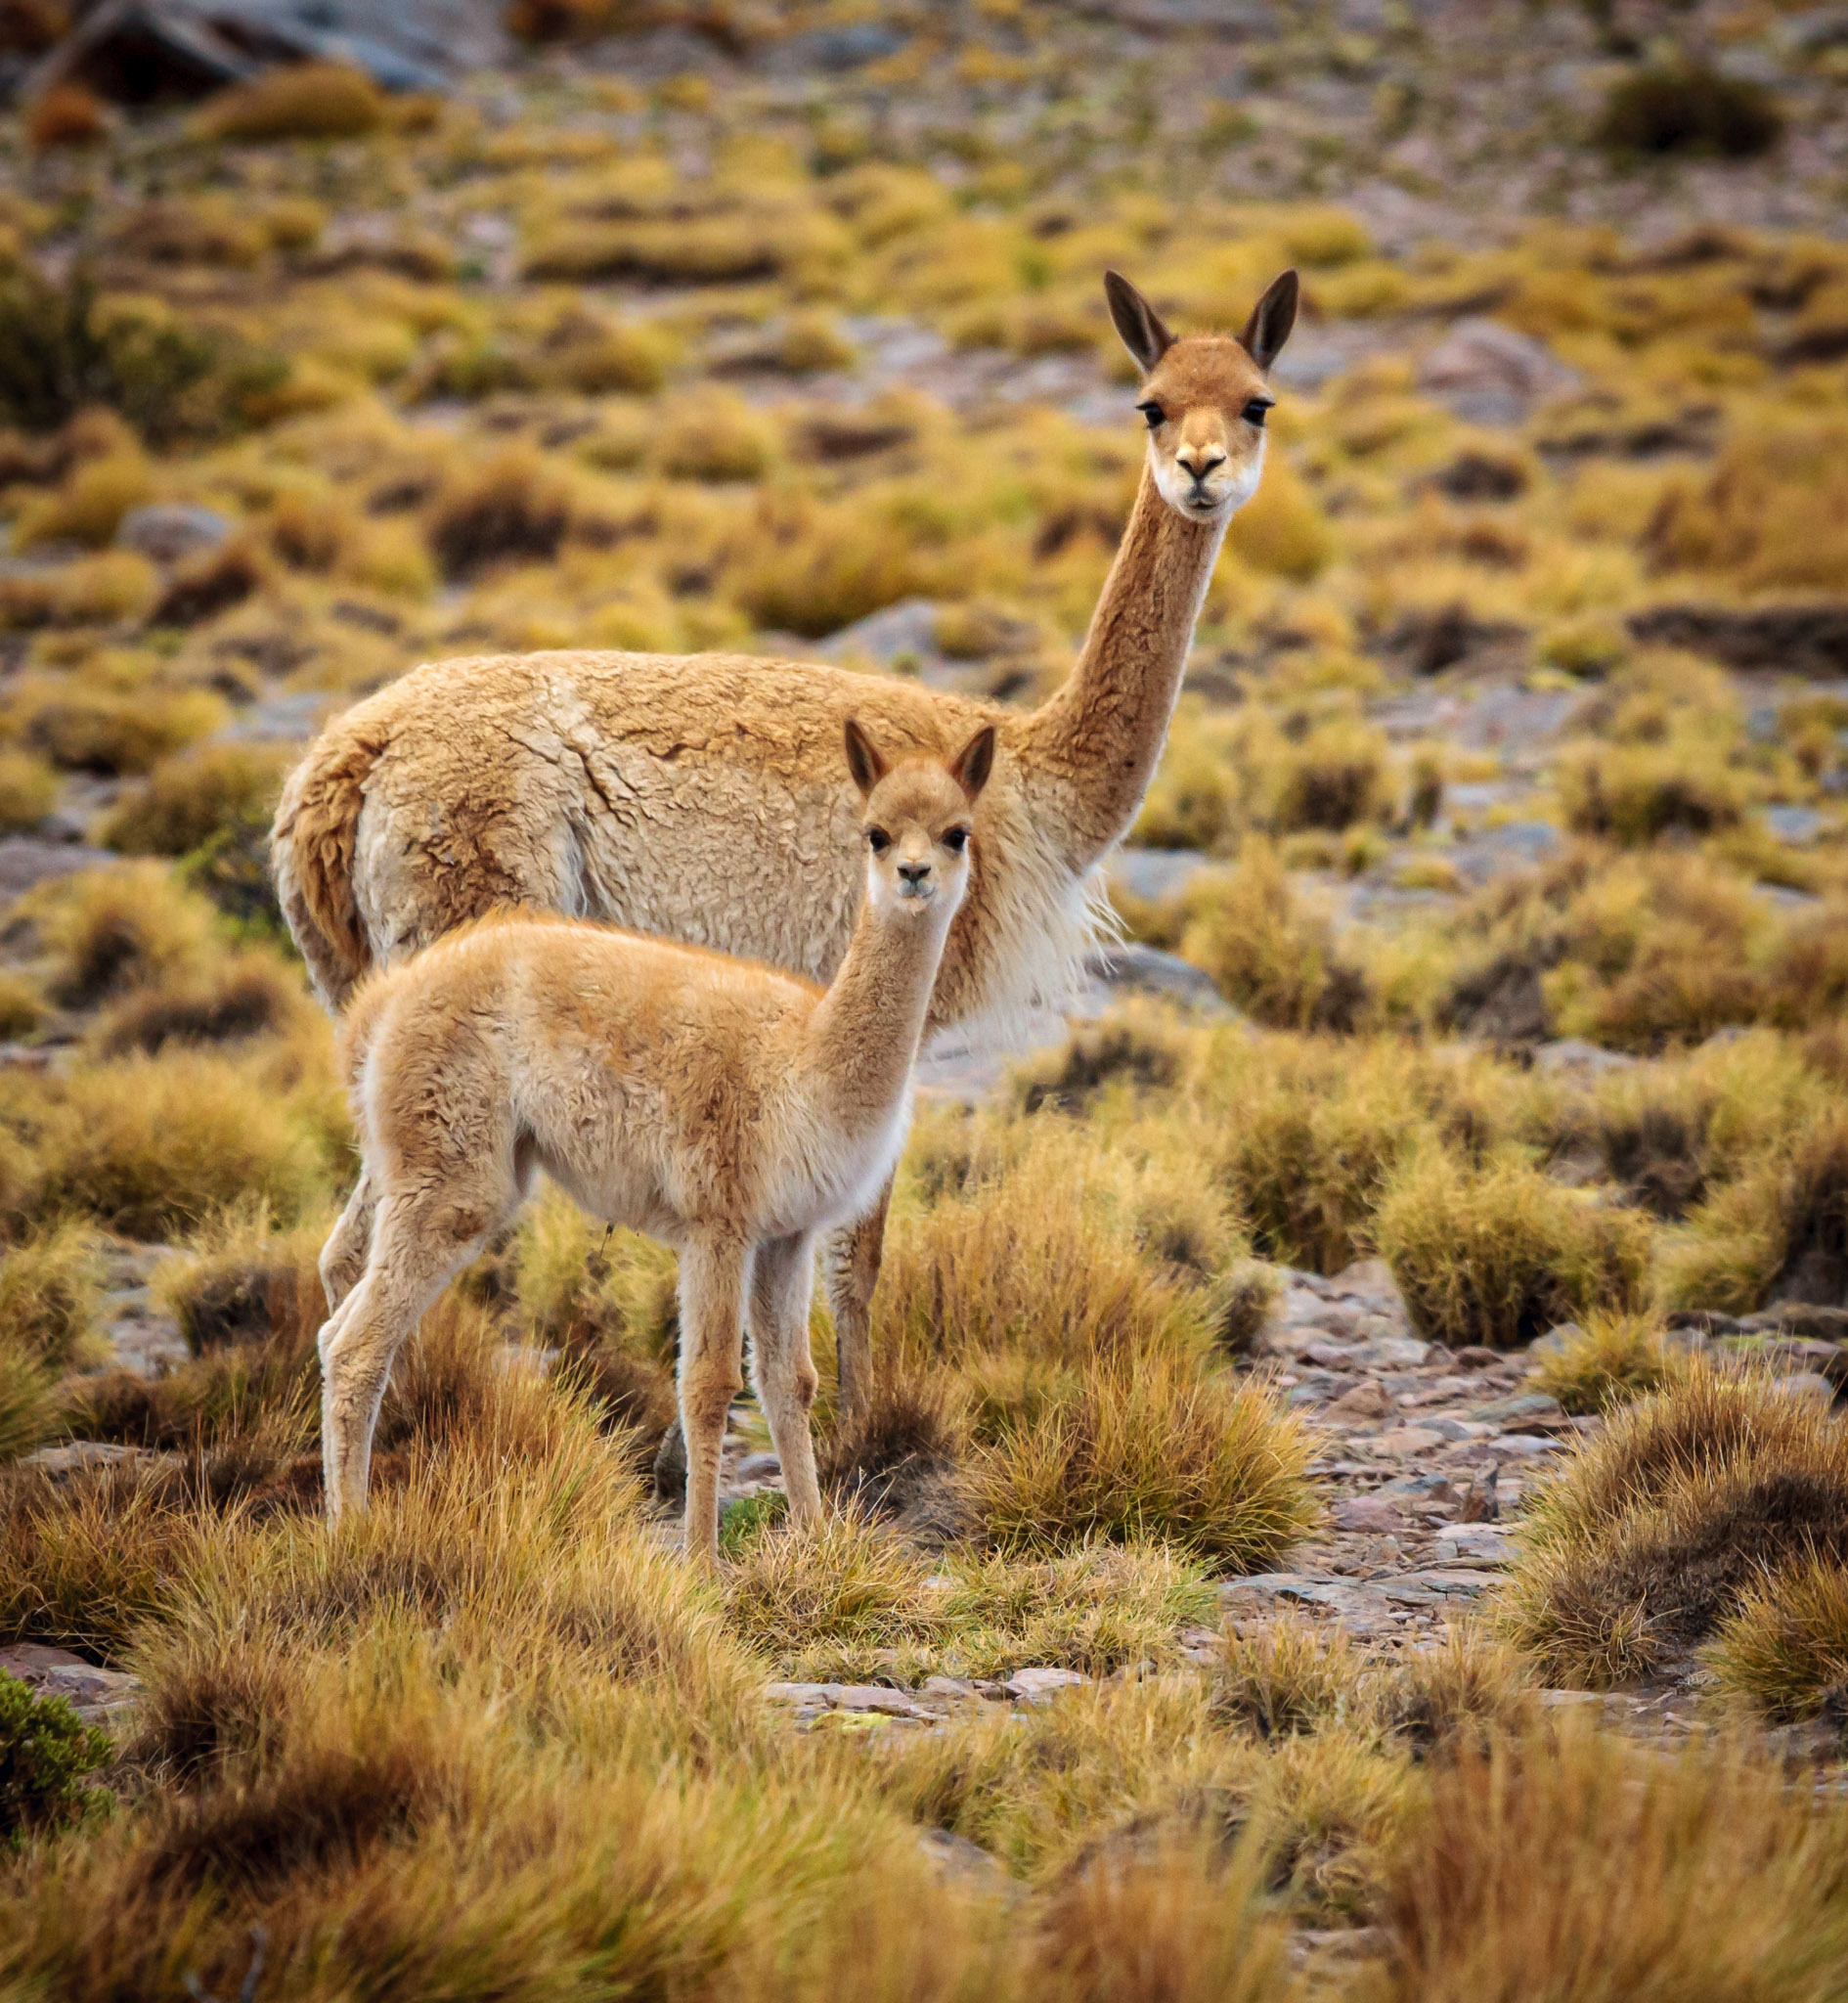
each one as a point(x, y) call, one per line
point(782, 1283)
point(850, 1262)
point(713, 1276)
point(412, 1262)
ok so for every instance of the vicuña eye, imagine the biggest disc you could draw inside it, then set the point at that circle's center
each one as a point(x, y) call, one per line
point(1253, 412)
point(878, 840)
point(1155, 414)
point(956, 840)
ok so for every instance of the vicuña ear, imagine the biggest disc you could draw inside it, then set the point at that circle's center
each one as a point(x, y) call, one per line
point(863, 761)
point(1272, 318)
point(1138, 322)
point(971, 766)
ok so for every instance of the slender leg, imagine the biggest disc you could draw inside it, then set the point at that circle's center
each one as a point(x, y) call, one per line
point(781, 1284)
point(343, 1257)
point(851, 1264)
point(714, 1276)
point(414, 1257)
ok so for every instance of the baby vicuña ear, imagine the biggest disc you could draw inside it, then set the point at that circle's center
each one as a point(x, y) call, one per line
point(862, 760)
point(1138, 325)
point(971, 766)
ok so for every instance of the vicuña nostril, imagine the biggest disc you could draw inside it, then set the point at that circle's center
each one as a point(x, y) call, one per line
point(914, 873)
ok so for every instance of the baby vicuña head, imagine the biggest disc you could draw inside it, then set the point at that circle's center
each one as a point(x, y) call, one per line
point(918, 825)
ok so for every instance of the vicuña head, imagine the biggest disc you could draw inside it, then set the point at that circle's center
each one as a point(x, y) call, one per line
point(918, 825)
point(1204, 397)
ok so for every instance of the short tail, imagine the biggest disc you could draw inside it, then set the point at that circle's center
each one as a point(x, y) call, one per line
point(311, 850)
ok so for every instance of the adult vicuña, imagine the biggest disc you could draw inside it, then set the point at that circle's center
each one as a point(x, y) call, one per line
point(700, 798)
point(727, 1108)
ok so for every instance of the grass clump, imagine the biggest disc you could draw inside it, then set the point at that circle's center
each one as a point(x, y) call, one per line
point(849, 1584)
point(193, 795)
point(104, 932)
point(112, 732)
point(514, 510)
point(300, 101)
point(148, 1147)
point(1689, 108)
point(242, 1280)
point(1498, 1255)
point(1286, 1676)
point(247, 995)
point(28, 791)
point(1148, 1448)
point(47, 1754)
point(1785, 1649)
point(1269, 957)
point(1655, 1533)
point(1614, 1360)
point(49, 1284)
point(28, 1403)
point(1580, 1865)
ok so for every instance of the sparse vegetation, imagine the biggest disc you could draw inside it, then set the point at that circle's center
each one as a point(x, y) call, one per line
point(1504, 807)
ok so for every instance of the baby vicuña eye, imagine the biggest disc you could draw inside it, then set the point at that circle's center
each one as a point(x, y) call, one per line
point(878, 840)
point(1155, 414)
point(957, 839)
point(1254, 411)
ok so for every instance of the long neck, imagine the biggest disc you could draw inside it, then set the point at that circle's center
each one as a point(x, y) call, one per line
point(863, 1036)
point(1099, 739)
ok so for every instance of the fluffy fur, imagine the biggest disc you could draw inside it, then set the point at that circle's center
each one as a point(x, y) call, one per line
point(702, 798)
point(729, 1109)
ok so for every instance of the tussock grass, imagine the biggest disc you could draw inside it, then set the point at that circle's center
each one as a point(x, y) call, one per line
point(1581, 1865)
point(50, 1283)
point(1612, 1359)
point(304, 101)
point(147, 1147)
point(28, 1403)
point(849, 1584)
point(105, 931)
point(1656, 1529)
point(1465, 1688)
point(28, 791)
point(188, 798)
point(1287, 1676)
point(1041, 1260)
point(241, 1279)
point(83, 727)
point(1149, 1447)
point(1498, 1255)
point(1267, 955)
point(247, 995)
point(1785, 1649)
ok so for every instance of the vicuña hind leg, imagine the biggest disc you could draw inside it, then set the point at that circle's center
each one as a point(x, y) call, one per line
point(415, 1253)
point(344, 1255)
point(714, 1274)
point(782, 1281)
point(850, 1261)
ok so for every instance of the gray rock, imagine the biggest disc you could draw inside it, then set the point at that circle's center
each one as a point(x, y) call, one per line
point(25, 861)
point(1155, 873)
point(1368, 1512)
point(1797, 825)
point(1810, 1384)
point(169, 531)
point(1040, 1685)
point(1574, 1054)
point(80, 1456)
point(1129, 967)
point(1489, 375)
point(965, 1862)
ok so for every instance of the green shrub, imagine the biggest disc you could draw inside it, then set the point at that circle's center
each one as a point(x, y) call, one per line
point(46, 1755)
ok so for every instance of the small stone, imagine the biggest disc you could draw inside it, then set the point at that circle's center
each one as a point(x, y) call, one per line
point(1368, 1512)
point(757, 1467)
point(1556, 1339)
point(959, 1859)
point(1368, 1278)
point(870, 1697)
point(1397, 1352)
point(80, 1456)
point(1481, 1543)
point(169, 532)
point(1365, 1401)
point(1564, 1700)
point(1529, 1445)
point(1332, 1356)
point(1808, 1384)
point(1040, 1685)
point(953, 1689)
point(1408, 1440)
point(796, 1693)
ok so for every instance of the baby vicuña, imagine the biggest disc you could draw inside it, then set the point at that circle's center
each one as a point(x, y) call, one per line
point(731, 1110)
